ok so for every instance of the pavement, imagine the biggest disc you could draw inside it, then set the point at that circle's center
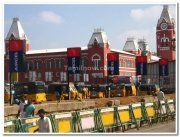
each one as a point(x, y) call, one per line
point(165, 127)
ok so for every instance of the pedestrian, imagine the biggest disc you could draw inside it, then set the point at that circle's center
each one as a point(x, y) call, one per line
point(44, 122)
point(21, 108)
point(29, 109)
point(58, 93)
point(160, 96)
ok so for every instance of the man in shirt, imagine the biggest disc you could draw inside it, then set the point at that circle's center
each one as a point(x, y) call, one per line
point(21, 108)
point(44, 122)
point(29, 109)
point(160, 96)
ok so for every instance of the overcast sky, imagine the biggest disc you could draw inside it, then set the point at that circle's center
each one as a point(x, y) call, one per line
point(69, 25)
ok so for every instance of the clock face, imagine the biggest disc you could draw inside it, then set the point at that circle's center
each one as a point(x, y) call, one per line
point(164, 26)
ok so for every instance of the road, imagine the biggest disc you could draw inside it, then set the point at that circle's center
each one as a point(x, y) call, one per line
point(165, 127)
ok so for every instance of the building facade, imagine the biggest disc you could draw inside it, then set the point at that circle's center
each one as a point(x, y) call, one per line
point(166, 35)
point(50, 65)
point(164, 81)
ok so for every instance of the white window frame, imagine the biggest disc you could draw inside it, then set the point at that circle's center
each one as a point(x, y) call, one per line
point(48, 76)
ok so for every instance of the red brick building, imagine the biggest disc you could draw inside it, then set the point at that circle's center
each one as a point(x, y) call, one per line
point(166, 36)
point(51, 64)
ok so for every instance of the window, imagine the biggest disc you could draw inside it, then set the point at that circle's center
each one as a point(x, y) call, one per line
point(50, 64)
point(128, 63)
point(30, 65)
point(48, 76)
point(57, 63)
point(95, 42)
point(63, 76)
point(76, 77)
point(39, 76)
point(37, 65)
point(32, 75)
point(61, 63)
point(121, 64)
point(86, 77)
point(84, 63)
point(96, 62)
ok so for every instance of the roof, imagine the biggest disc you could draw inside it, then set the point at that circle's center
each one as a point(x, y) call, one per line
point(100, 36)
point(165, 15)
point(131, 45)
point(120, 51)
point(16, 30)
point(50, 50)
point(154, 58)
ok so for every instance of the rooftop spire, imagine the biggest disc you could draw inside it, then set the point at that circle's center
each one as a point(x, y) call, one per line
point(165, 15)
point(16, 30)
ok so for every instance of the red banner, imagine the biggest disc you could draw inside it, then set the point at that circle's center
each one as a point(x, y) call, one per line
point(141, 59)
point(74, 52)
point(163, 61)
point(113, 56)
point(15, 45)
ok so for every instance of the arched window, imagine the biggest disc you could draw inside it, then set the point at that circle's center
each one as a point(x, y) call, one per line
point(62, 63)
point(38, 65)
point(30, 65)
point(57, 63)
point(96, 61)
point(84, 62)
point(50, 64)
point(95, 42)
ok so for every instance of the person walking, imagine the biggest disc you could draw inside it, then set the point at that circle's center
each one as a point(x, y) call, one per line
point(160, 97)
point(21, 108)
point(58, 93)
point(29, 109)
point(44, 123)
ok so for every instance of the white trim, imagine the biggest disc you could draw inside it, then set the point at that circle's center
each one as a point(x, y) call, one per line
point(107, 110)
point(148, 104)
point(136, 105)
point(86, 112)
point(95, 55)
point(170, 101)
point(58, 116)
point(50, 50)
point(121, 51)
point(123, 107)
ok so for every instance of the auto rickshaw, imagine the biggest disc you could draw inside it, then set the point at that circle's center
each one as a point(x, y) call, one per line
point(128, 90)
point(115, 91)
point(30, 90)
point(97, 91)
point(148, 89)
point(51, 92)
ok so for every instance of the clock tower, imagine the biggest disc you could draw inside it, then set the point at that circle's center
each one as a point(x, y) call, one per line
point(166, 35)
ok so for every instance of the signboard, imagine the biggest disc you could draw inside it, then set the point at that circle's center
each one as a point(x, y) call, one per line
point(163, 67)
point(113, 63)
point(15, 45)
point(141, 65)
point(16, 61)
point(74, 60)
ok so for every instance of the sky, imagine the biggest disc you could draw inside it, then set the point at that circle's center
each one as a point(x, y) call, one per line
point(50, 26)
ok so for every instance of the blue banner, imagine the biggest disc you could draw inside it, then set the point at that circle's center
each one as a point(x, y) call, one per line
point(16, 61)
point(141, 68)
point(163, 70)
point(113, 67)
point(74, 65)
point(163, 67)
